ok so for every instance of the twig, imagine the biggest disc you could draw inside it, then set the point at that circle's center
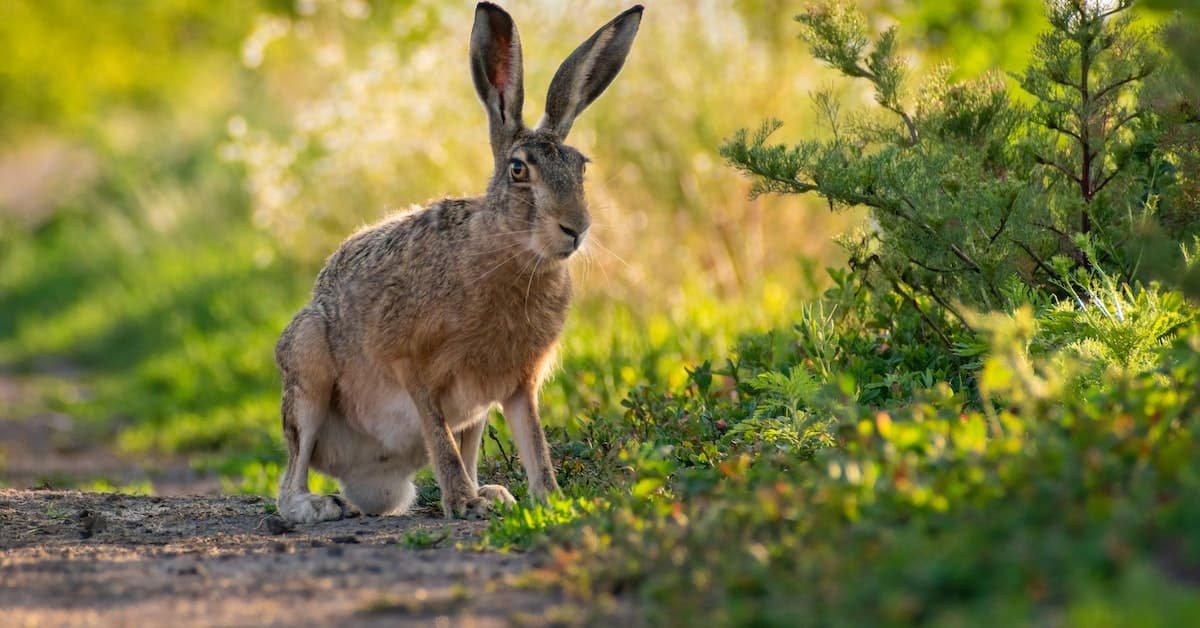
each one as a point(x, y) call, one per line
point(503, 454)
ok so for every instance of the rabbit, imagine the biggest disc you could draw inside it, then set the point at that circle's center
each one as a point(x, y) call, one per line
point(420, 324)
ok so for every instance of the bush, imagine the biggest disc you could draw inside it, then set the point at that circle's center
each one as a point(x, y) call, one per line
point(1065, 485)
point(971, 188)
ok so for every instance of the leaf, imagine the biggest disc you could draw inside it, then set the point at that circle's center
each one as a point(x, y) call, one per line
point(644, 487)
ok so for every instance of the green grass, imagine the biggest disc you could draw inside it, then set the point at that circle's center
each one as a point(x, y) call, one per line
point(423, 539)
point(719, 501)
point(173, 333)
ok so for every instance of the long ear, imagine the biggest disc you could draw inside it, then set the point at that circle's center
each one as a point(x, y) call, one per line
point(585, 74)
point(496, 70)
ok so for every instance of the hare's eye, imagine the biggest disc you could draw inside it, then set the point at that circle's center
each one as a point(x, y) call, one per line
point(518, 170)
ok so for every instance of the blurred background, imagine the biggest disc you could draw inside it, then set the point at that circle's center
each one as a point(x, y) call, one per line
point(173, 173)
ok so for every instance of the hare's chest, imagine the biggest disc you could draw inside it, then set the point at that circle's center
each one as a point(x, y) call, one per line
point(514, 335)
point(484, 373)
point(509, 354)
point(470, 395)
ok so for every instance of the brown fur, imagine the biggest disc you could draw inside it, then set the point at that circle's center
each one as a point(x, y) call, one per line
point(422, 322)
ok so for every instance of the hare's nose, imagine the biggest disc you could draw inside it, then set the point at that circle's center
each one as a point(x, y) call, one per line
point(571, 233)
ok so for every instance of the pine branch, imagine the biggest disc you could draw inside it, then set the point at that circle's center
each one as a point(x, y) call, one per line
point(1003, 221)
point(1047, 162)
point(934, 269)
point(1053, 125)
point(1110, 177)
point(898, 282)
point(1136, 76)
point(1121, 122)
point(945, 305)
point(1034, 256)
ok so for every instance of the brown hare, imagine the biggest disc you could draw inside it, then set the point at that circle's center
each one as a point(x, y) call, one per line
point(420, 324)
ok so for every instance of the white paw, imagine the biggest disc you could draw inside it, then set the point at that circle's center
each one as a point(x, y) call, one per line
point(309, 508)
point(496, 493)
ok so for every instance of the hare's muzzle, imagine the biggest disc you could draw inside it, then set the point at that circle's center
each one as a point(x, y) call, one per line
point(576, 237)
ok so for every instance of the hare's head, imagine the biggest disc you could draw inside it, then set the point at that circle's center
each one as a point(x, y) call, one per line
point(538, 182)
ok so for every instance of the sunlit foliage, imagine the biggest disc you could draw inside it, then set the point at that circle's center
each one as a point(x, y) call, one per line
point(743, 440)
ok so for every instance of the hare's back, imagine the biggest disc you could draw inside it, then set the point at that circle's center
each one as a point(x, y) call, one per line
point(407, 244)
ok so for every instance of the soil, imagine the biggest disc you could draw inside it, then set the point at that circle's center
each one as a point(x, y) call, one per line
point(72, 558)
point(189, 557)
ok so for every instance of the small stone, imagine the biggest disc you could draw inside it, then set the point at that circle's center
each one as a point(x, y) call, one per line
point(274, 524)
point(190, 570)
point(90, 523)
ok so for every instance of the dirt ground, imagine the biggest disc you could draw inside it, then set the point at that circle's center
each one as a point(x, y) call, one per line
point(70, 558)
point(190, 557)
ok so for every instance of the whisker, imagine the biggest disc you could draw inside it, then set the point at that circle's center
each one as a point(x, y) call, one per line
point(499, 248)
point(591, 257)
point(474, 236)
point(532, 260)
point(493, 269)
point(610, 252)
point(585, 256)
point(530, 285)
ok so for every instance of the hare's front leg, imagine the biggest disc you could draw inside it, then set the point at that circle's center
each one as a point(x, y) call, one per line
point(468, 446)
point(460, 498)
point(520, 410)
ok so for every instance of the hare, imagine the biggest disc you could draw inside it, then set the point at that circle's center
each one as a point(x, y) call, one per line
point(420, 324)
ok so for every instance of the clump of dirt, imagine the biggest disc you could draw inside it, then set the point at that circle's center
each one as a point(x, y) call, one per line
point(73, 558)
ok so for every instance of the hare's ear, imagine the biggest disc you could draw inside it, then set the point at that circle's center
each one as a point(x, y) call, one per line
point(585, 74)
point(496, 69)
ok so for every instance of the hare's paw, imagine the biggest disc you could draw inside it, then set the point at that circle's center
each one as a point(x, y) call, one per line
point(474, 508)
point(466, 506)
point(496, 493)
point(480, 506)
point(309, 508)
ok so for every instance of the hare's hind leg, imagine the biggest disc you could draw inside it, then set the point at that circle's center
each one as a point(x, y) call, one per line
point(376, 480)
point(302, 418)
point(304, 359)
point(380, 490)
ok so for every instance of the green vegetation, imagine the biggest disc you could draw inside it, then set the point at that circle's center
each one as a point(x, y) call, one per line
point(898, 456)
point(985, 412)
point(972, 188)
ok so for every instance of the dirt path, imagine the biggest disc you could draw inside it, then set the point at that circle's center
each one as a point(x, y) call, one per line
point(189, 557)
point(71, 558)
